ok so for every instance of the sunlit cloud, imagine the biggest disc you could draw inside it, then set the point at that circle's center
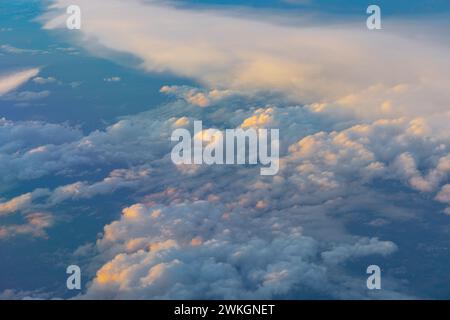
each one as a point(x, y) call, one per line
point(12, 81)
point(345, 65)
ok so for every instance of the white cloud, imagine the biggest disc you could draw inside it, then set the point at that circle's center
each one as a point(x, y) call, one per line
point(13, 50)
point(35, 225)
point(444, 197)
point(12, 81)
point(196, 97)
point(112, 79)
point(265, 237)
point(15, 204)
point(362, 248)
point(226, 232)
point(119, 178)
point(372, 74)
point(42, 80)
point(17, 137)
point(22, 203)
point(11, 294)
point(194, 250)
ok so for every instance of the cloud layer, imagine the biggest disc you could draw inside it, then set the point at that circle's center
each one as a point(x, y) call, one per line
point(363, 119)
point(345, 65)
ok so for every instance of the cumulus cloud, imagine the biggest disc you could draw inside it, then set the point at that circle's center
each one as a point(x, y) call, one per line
point(42, 199)
point(119, 178)
point(206, 218)
point(34, 149)
point(22, 202)
point(26, 96)
point(201, 222)
point(12, 81)
point(15, 204)
point(25, 148)
point(444, 197)
point(12, 294)
point(195, 96)
point(14, 50)
point(35, 225)
point(362, 248)
point(194, 250)
point(352, 119)
point(23, 136)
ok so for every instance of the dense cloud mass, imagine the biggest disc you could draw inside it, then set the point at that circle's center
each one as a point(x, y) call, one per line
point(201, 220)
point(187, 251)
point(373, 74)
point(362, 131)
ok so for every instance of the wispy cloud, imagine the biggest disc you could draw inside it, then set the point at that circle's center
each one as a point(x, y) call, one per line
point(14, 50)
point(26, 96)
point(42, 80)
point(12, 81)
point(35, 225)
point(112, 79)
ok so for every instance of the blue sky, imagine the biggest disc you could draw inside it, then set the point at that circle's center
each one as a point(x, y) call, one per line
point(86, 176)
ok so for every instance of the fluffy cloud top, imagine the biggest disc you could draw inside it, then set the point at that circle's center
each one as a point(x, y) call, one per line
point(195, 250)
